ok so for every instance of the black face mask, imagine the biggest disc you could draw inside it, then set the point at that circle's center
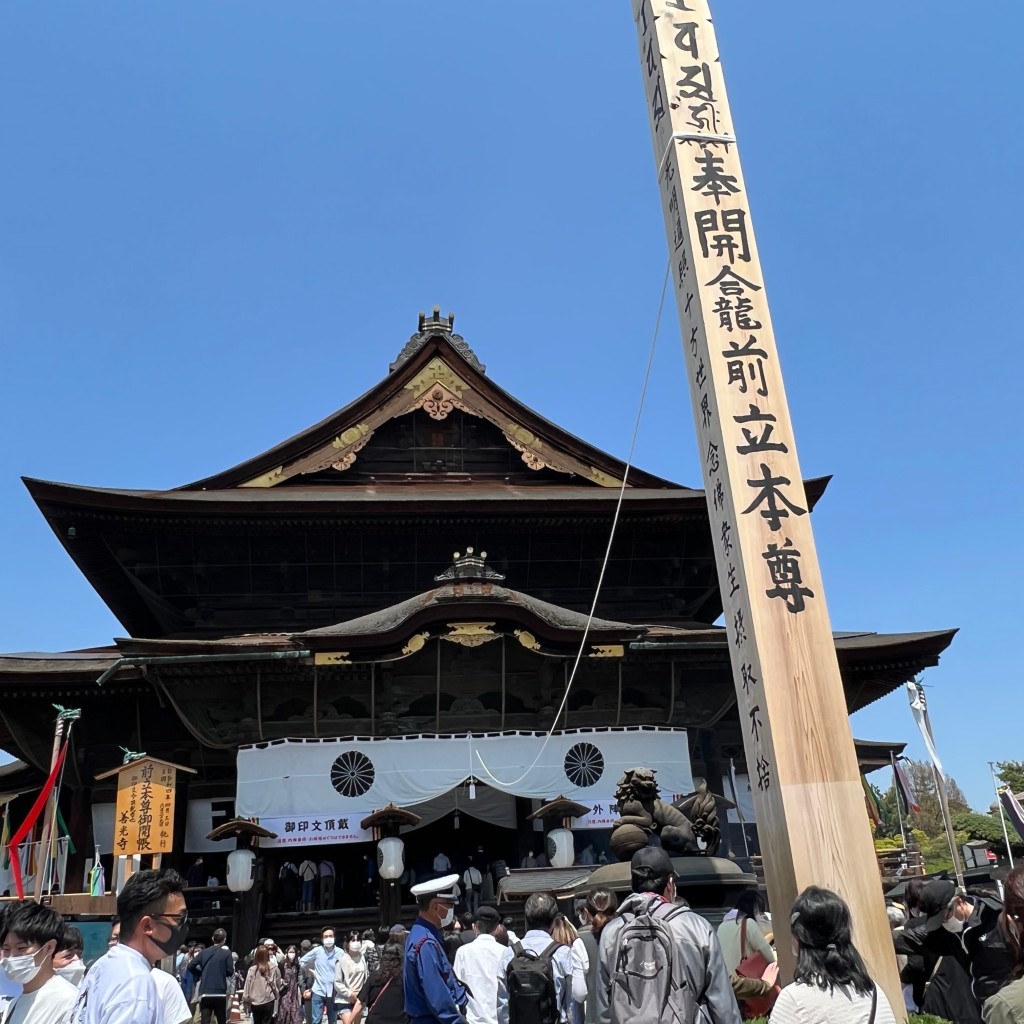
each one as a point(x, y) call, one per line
point(179, 933)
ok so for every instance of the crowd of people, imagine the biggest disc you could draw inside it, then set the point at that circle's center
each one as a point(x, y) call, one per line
point(647, 959)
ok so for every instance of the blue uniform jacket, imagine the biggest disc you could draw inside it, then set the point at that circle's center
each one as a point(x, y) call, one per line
point(432, 992)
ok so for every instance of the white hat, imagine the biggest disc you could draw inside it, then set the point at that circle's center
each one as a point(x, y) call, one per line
point(442, 888)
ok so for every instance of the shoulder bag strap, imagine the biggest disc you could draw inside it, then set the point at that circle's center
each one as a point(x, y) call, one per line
point(551, 950)
point(874, 1004)
point(388, 982)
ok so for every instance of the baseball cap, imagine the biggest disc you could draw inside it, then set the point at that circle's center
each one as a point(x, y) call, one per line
point(648, 864)
point(487, 914)
point(935, 899)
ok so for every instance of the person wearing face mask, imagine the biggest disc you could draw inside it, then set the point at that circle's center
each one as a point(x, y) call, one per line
point(119, 987)
point(350, 976)
point(67, 961)
point(323, 961)
point(28, 944)
point(432, 992)
point(289, 1007)
point(962, 937)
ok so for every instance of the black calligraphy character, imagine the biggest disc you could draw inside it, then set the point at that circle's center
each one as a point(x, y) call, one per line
point(725, 236)
point(343, 824)
point(712, 459)
point(738, 313)
point(683, 267)
point(686, 37)
point(316, 826)
point(303, 826)
point(755, 723)
point(597, 809)
point(784, 566)
point(678, 238)
point(701, 377)
point(693, 341)
point(696, 83)
point(705, 411)
point(769, 494)
point(726, 536)
point(748, 678)
point(733, 584)
point(689, 299)
point(657, 105)
point(762, 442)
point(739, 629)
point(289, 826)
point(704, 117)
point(718, 496)
point(744, 361)
point(730, 283)
point(651, 57)
point(330, 825)
point(712, 179)
point(764, 773)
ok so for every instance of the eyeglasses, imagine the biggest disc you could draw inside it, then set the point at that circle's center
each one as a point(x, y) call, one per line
point(178, 919)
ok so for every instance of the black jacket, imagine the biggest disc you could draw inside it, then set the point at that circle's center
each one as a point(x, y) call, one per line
point(213, 967)
point(967, 968)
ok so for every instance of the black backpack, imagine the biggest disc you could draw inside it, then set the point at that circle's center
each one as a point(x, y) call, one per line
point(530, 979)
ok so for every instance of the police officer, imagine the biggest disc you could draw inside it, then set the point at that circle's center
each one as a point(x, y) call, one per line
point(432, 992)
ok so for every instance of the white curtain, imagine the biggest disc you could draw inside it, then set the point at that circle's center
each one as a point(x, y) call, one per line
point(330, 777)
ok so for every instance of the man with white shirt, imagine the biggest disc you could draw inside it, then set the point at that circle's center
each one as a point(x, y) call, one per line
point(119, 988)
point(28, 941)
point(476, 966)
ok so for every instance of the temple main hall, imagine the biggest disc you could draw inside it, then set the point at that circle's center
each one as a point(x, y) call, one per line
point(389, 607)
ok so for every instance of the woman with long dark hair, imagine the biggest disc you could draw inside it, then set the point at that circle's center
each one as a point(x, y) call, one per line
point(289, 1008)
point(383, 994)
point(1007, 1005)
point(831, 985)
point(740, 934)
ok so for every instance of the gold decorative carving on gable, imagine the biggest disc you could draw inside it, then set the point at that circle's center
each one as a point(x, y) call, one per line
point(603, 478)
point(437, 402)
point(530, 457)
point(350, 456)
point(331, 658)
point(470, 634)
point(437, 372)
point(267, 479)
point(347, 438)
point(416, 643)
point(607, 651)
point(527, 639)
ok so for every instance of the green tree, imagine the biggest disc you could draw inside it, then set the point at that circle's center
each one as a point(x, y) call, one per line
point(1011, 773)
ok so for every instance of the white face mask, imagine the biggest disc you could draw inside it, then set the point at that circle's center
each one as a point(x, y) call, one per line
point(355, 947)
point(448, 917)
point(329, 943)
point(73, 972)
point(21, 969)
point(953, 924)
point(291, 956)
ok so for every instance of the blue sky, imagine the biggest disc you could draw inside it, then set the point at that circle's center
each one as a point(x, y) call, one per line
point(219, 221)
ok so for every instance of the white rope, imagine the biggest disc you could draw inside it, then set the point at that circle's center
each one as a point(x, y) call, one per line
point(607, 552)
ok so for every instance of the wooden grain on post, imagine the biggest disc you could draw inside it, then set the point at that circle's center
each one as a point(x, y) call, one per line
point(800, 757)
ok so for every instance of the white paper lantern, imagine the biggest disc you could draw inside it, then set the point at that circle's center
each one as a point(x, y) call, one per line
point(241, 870)
point(390, 858)
point(560, 848)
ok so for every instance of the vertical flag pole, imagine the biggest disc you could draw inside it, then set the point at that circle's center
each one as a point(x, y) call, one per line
point(791, 703)
point(896, 794)
point(1002, 816)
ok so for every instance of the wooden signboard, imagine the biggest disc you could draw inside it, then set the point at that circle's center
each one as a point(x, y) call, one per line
point(799, 751)
point(144, 816)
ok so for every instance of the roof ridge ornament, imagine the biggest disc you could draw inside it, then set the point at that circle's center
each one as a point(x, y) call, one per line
point(429, 326)
point(469, 567)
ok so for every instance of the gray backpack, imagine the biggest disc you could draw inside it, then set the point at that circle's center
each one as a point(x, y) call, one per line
point(649, 984)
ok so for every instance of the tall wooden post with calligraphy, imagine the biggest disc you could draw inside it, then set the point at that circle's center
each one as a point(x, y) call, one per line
point(800, 756)
point(144, 812)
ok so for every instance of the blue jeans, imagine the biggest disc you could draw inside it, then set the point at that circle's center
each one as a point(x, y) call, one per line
point(318, 1003)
